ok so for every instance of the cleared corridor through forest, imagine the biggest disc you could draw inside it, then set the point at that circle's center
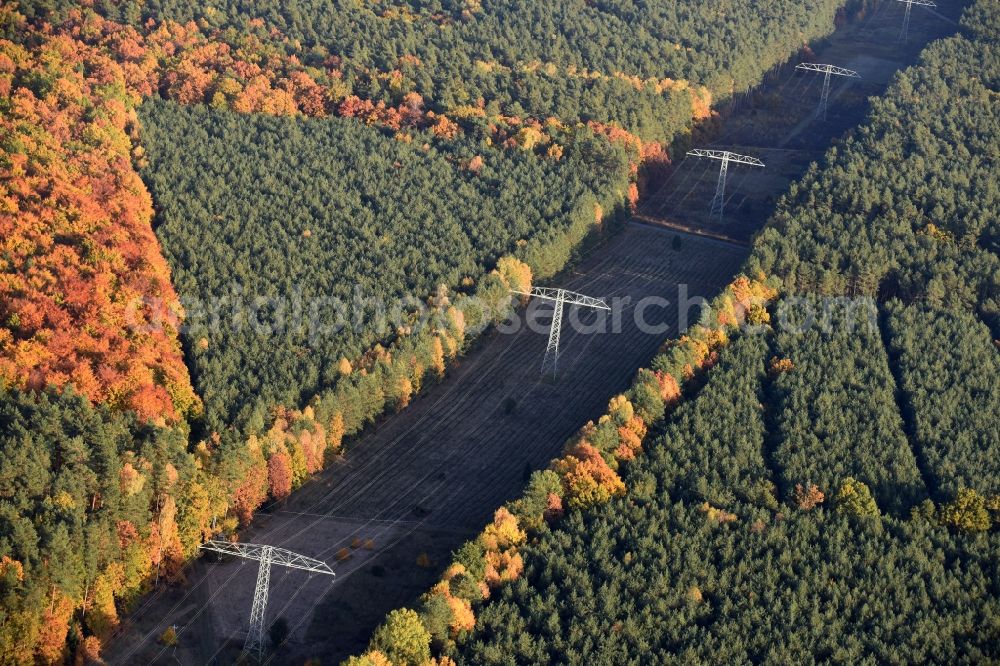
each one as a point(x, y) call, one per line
point(424, 480)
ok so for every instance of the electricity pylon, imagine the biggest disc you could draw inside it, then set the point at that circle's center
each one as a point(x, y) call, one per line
point(719, 200)
point(560, 297)
point(266, 555)
point(905, 32)
point(826, 70)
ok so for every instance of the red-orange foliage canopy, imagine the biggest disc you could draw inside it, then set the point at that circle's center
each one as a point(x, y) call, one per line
point(808, 497)
point(85, 293)
point(279, 475)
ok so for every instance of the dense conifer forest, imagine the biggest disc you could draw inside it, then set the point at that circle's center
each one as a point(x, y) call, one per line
point(908, 206)
point(78, 482)
point(847, 424)
point(947, 369)
point(330, 210)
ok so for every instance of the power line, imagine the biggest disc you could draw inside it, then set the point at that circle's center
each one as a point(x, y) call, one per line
point(560, 297)
point(266, 555)
point(827, 71)
point(904, 33)
point(724, 156)
point(343, 502)
point(662, 195)
point(678, 203)
point(432, 492)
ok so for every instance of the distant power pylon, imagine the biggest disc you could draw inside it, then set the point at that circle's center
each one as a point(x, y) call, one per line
point(905, 32)
point(266, 555)
point(826, 70)
point(719, 200)
point(560, 297)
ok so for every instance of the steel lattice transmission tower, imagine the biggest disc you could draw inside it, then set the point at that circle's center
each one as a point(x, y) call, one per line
point(905, 32)
point(719, 200)
point(560, 298)
point(827, 71)
point(266, 555)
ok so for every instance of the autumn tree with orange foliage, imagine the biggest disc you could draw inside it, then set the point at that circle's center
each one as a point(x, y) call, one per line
point(778, 366)
point(253, 489)
point(279, 475)
point(587, 478)
point(807, 496)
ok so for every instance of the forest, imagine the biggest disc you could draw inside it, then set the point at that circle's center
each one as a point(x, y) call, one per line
point(706, 550)
point(246, 210)
point(83, 274)
point(163, 158)
point(445, 152)
point(951, 398)
point(78, 521)
point(907, 213)
point(817, 487)
point(689, 564)
point(639, 65)
point(848, 424)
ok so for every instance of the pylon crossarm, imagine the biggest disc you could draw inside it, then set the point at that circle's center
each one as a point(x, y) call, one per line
point(280, 556)
point(250, 551)
point(266, 555)
point(726, 156)
point(904, 32)
point(559, 298)
point(568, 297)
point(828, 69)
